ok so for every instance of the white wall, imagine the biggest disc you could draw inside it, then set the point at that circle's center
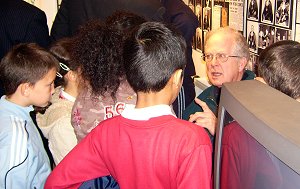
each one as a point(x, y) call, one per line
point(202, 82)
point(199, 64)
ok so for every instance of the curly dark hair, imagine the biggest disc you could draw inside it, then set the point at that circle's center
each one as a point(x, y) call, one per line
point(98, 50)
point(124, 22)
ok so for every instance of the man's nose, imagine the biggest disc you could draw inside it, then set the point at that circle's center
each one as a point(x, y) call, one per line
point(214, 61)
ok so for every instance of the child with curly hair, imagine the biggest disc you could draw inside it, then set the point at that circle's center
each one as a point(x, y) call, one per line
point(105, 91)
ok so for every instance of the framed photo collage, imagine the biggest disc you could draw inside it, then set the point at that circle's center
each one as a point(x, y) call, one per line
point(263, 22)
point(202, 9)
point(268, 21)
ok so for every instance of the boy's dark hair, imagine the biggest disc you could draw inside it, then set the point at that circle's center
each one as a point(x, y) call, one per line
point(151, 55)
point(25, 63)
point(279, 66)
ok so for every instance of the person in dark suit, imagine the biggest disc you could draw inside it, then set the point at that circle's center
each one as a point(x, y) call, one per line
point(252, 38)
point(206, 22)
point(183, 18)
point(74, 13)
point(21, 22)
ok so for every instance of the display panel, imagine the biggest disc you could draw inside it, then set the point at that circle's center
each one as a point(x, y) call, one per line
point(257, 143)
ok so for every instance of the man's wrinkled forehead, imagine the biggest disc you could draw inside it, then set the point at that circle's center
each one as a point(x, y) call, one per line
point(223, 41)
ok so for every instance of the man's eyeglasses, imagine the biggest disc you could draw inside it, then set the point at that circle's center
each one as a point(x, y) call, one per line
point(63, 71)
point(219, 56)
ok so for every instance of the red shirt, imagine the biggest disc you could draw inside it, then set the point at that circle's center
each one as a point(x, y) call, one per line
point(162, 152)
point(245, 163)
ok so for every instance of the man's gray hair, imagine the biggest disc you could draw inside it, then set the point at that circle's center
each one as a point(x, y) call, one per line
point(240, 48)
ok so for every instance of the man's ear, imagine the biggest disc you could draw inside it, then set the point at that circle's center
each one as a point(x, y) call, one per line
point(242, 64)
point(177, 77)
point(25, 89)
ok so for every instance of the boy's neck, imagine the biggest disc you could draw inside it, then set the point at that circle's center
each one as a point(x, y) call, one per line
point(166, 96)
point(16, 99)
point(152, 99)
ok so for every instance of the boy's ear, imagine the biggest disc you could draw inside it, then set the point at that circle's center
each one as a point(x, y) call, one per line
point(177, 78)
point(25, 89)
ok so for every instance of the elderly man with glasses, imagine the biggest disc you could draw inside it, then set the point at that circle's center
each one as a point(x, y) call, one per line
point(226, 56)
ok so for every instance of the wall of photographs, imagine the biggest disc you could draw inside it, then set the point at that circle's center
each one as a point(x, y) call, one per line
point(262, 22)
point(212, 14)
point(268, 21)
point(203, 11)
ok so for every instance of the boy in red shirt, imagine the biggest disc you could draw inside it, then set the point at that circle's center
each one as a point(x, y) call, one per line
point(147, 146)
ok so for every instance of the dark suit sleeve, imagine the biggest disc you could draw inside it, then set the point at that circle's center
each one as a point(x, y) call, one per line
point(38, 30)
point(61, 27)
point(180, 15)
point(186, 22)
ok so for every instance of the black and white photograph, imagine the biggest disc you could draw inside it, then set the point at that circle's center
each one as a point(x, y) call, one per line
point(283, 13)
point(267, 11)
point(207, 3)
point(252, 35)
point(272, 36)
point(249, 65)
point(282, 34)
point(252, 64)
point(204, 37)
point(191, 4)
point(199, 39)
point(198, 12)
point(253, 10)
point(207, 18)
point(266, 35)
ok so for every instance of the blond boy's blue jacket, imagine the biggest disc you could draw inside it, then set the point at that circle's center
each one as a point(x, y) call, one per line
point(23, 160)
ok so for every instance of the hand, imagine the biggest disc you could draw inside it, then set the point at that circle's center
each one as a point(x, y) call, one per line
point(206, 119)
point(260, 79)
